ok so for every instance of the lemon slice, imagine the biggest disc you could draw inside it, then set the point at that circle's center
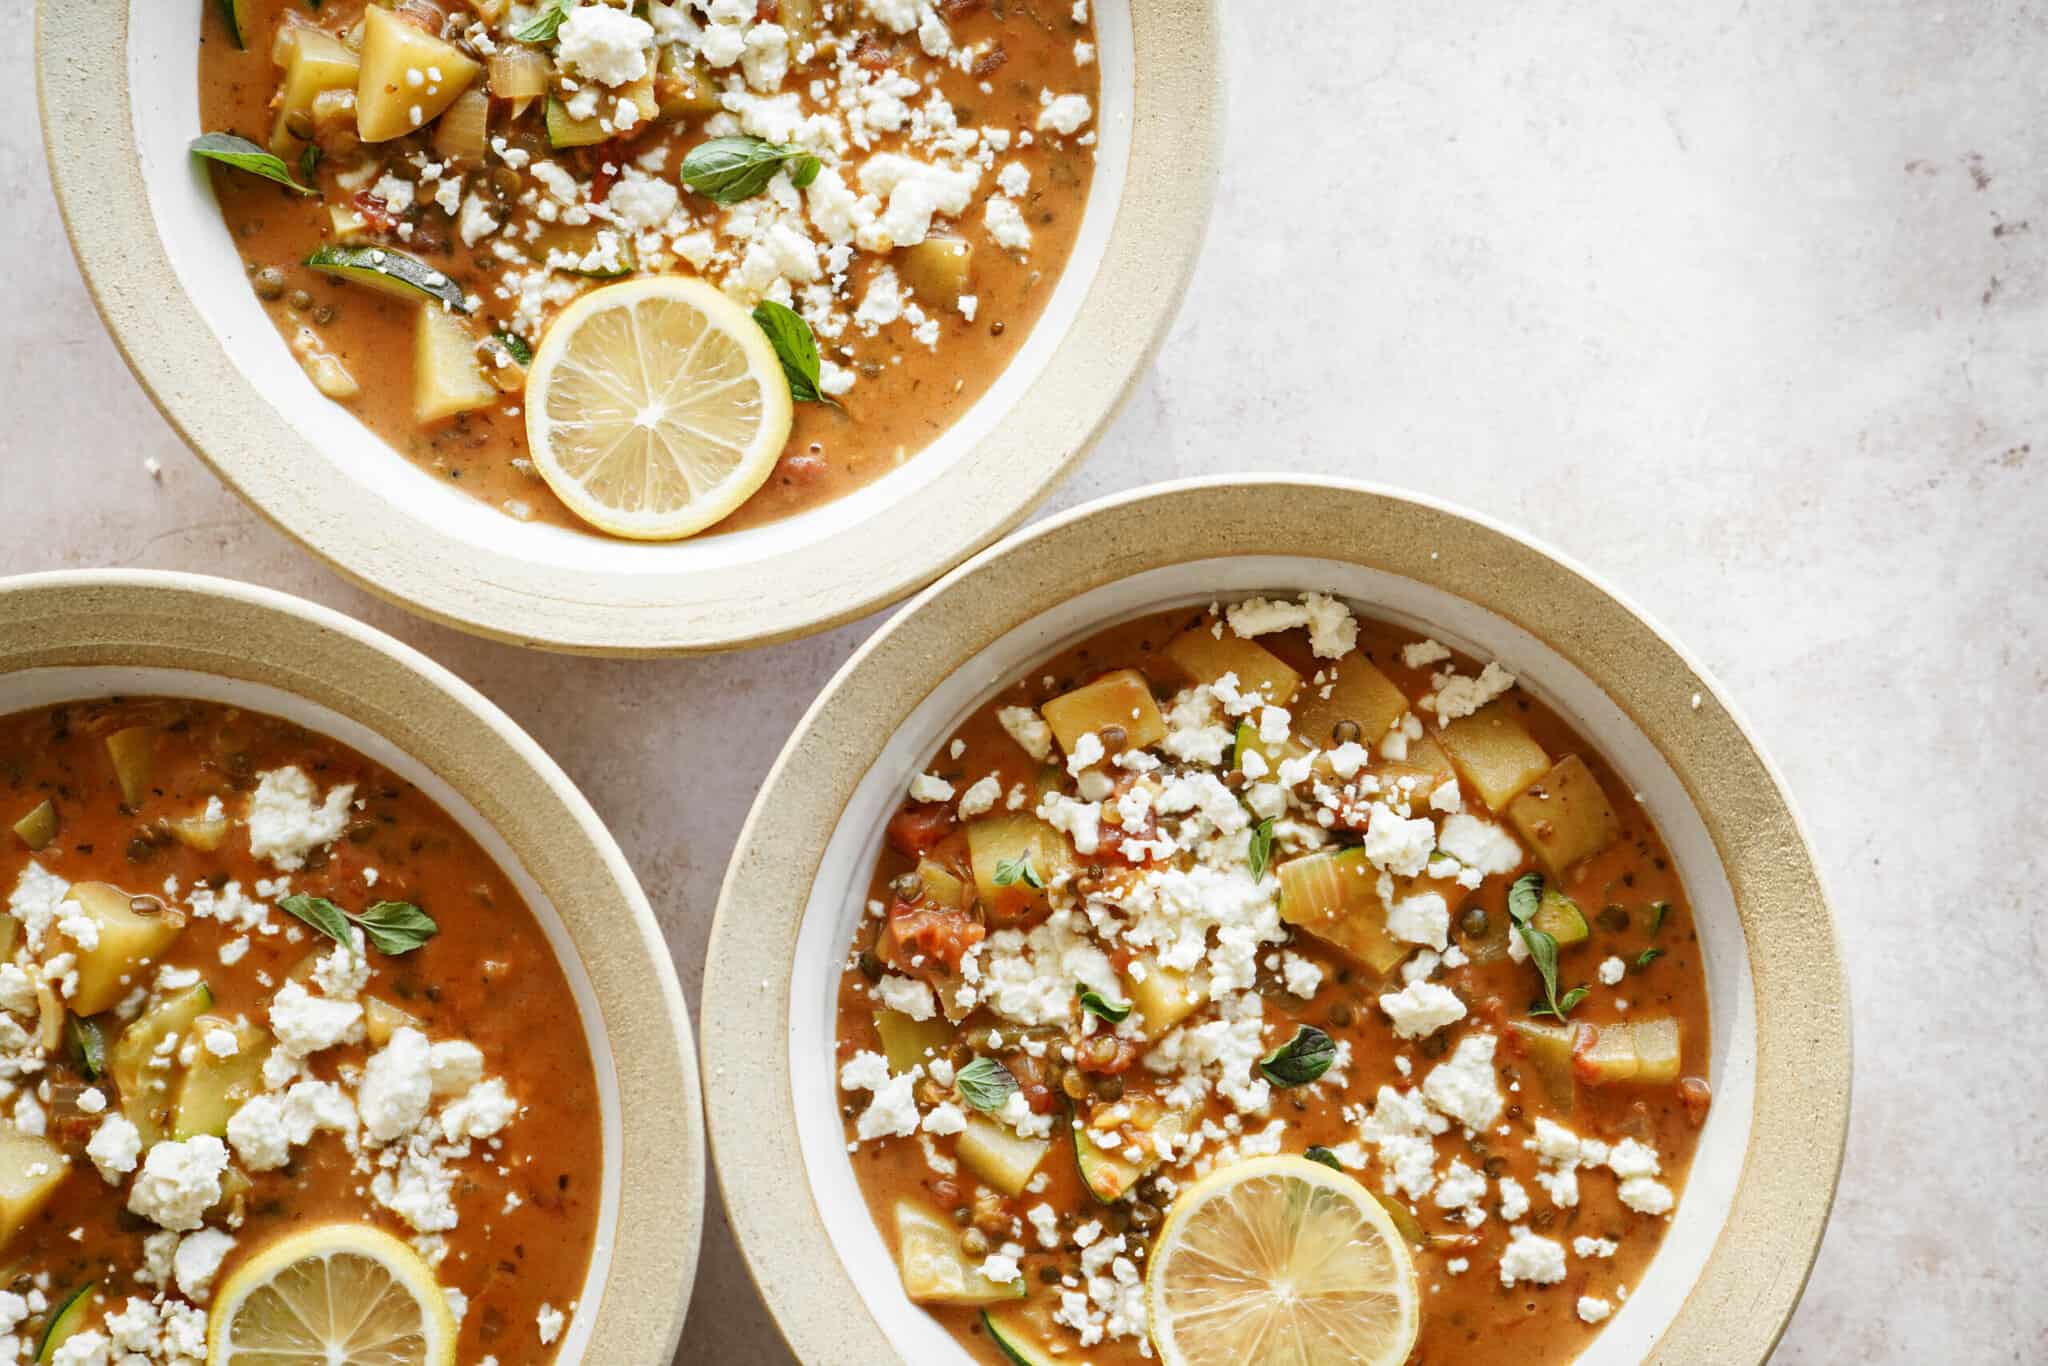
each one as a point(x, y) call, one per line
point(655, 407)
point(339, 1295)
point(1281, 1261)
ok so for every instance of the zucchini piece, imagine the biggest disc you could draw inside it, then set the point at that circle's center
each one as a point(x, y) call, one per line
point(447, 374)
point(935, 1270)
point(1162, 996)
point(1334, 895)
point(87, 1047)
point(1549, 1050)
point(390, 271)
point(1109, 1176)
point(1122, 698)
point(799, 19)
point(1248, 742)
point(1494, 753)
point(566, 130)
point(1204, 658)
point(128, 942)
point(214, 1087)
point(388, 105)
point(39, 826)
point(907, 1042)
point(1002, 1159)
point(1360, 694)
point(1016, 1347)
point(937, 270)
point(1558, 916)
point(683, 87)
point(146, 1090)
point(31, 1169)
point(240, 24)
point(1564, 816)
point(133, 751)
point(316, 62)
point(1005, 844)
point(381, 1020)
point(71, 1315)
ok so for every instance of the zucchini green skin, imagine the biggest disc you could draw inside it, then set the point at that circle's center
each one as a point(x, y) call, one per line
point(69, 1318)
point(1010, 1343)
point(390, 271)
point(236, 15)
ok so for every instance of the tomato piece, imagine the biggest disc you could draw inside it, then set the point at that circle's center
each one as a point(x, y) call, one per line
point(940, 935)
point(1697, 1097)
point(915, 829)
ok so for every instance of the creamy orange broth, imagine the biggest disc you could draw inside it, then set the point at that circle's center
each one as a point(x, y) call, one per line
point(1469, 1317)
point(527, 1209)
point(906, 393)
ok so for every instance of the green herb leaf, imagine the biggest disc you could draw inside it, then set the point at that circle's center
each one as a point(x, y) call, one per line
point(245, 155)
point(397, 926)
point(515, 344)
point(1525, 896)
point(544, 25)
point(1301, 1060)
point(1010, 871)
point(1100, 1006)
point(1658, 910)
point(796, 348)
point(1318, 1153)
point(323, 915)
point(88, 1046)
point(1647, 957)
point(985, 1084)
point(1570, 999)
point(728, 170)
point(309, 161)
point(1260, 852)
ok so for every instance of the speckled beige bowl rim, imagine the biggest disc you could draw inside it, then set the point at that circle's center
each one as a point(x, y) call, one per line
point(1738, 1307)
point(150, 619)
point(381, 544)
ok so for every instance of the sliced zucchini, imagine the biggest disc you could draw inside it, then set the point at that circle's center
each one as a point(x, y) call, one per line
point(71, 1315)
point(1248, 742)
point(133, 751)
point(566, 130)
point(1010, 1339)
point(128, 941)
point(240, 24)
point(999, 1157)
point(390, 271)
point(447, 374)
point(388, 104)
point(1109, 1176)
point(682, 85)
point(907, 1042)
point(39, 826)
point(146, 1090)
point(1549, 1049)
point(935, 1270)
point(31, 1169)
point(1122, 699)
point(582, 243)
point(1558, 916)
point(215, 1087)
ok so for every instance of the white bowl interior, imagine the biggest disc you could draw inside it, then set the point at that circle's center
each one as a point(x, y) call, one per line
point(163, 73)
point(33, 688)
point(837, 897)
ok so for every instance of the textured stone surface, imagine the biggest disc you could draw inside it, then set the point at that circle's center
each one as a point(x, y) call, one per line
point(1744, 307)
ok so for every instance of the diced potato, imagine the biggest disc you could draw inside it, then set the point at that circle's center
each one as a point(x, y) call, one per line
point(215, 1087)
point(381, 1020)
point(1334, 896)
point(937, 270)
point(1605, 1054)
point(31, 1170)
point(1205, 658)
point(566, 130)
point(201, 831)
point(128, 942)
point(683, 86)
point(521, 75)
point(799, 18)
point(1123, 699)
point(1565, 817)
point(447, 376)
point(315, 62)
point(1495, 755)
point(1162, 996)
point(935, 1270)
point(1658, 1051)
point(1360, 693)
point(1549, 1050)
point(997, 1156)
point(133, 751)
point(1427, 756)
point(940, 886)
point(145, 1090)
point(1014, 839)
point(464, 130)
point(907, 1042)
point(39, 826)
point(1558, 916)
point(388, 104)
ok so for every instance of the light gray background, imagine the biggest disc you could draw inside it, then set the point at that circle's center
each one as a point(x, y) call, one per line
point(1743, 306)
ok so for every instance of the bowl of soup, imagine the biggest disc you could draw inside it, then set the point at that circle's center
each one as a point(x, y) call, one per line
point(1270, 909)
point(324, 993)
point(636, 329)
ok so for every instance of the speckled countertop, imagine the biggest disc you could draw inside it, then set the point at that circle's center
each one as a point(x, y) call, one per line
point(1746, 307)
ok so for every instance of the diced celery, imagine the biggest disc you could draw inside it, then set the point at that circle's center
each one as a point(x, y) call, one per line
point(1558, 916)
point(1549, 1050)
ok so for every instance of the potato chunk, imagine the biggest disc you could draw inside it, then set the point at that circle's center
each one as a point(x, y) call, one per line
point(1494, 753)
point(133, 751)
point(39, 826)
point(937, 270)
point(1122, 699)
point(907, 1042)
point(126, 942)
point(1000, 1158)
point(1564, 816)
point(1162, 996)
point(407, 77)
point(1359, 693)
point(447, 376)
point(935, 1270)
point(1009, 853)
point(1206, 658)
point(31, 1169)
point(315, 62)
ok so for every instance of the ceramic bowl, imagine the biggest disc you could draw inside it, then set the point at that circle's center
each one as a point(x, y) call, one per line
point(1743, 1239)
point(119, 86)
point(92, 634)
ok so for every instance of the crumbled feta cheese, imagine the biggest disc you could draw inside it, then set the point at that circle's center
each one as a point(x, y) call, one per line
point(604, 44)
point(1594, 1310)
point(179, 1182)
point(1612, 970)
point(115, 1148)
point(1540, 1261)
point(1464, 1086)
point(288, 818)
point(907, 996)
point(1422, 1008)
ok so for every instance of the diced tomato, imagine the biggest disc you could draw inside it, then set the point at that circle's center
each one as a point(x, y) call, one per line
point(1040, 1098)
point(939, 935)
point(871, 54)
point(375, 212)
point(915, 829)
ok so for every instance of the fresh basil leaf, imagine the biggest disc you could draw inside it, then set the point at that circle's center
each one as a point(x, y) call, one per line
point(1098, 1005)
point(985, 1084)
point(323, 915)
point(1301, 1060)
point(797, 349)
point(1259, 852)
point(397, 926)
point(544, 25)
point(1318, 1153)
point(1647, 957)
point(515, 344)
point(1525, 896)
point(244, 155)
point(1658, 910)
point(729, 169)
point(1570, 999)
